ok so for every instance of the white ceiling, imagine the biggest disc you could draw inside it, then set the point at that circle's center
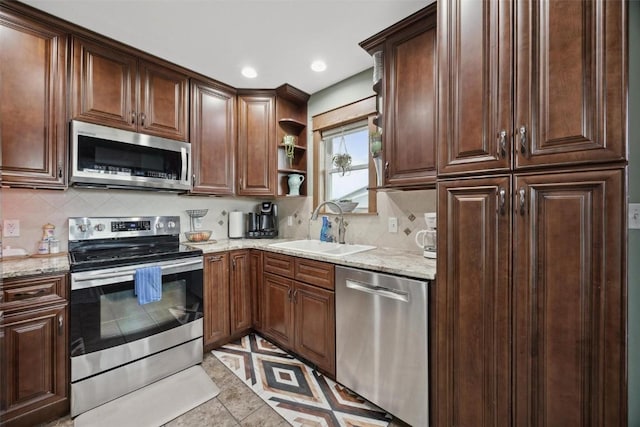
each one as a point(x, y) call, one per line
point(279, 38)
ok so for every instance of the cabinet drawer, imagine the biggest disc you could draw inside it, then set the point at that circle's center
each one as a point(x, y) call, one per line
point(33, 290)
point(315, 272)
point(279, 264)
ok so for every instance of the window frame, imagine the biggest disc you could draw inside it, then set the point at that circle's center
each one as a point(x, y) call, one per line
point(364, 109)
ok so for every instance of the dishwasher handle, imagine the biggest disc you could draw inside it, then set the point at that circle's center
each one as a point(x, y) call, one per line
point(378, 290)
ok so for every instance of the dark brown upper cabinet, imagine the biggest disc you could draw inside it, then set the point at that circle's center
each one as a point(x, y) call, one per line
point(557, 102)
point(114, 87)
point(409, 96)
point(213, 137)
point(264, 117)
point(33, 58)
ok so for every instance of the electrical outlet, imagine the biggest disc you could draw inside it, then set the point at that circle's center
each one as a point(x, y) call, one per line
point(11, 228)
point(393, 225)
point(289, 220)
point(634, 215)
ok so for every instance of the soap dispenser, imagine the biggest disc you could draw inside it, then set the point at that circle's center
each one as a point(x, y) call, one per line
point(325, 230)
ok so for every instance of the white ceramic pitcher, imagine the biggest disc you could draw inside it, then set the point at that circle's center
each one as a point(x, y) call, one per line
point(295, 181)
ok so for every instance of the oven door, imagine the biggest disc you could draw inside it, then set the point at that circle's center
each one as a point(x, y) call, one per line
point(109, 328)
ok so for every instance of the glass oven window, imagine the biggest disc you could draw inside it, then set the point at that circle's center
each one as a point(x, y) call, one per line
point(107, 316)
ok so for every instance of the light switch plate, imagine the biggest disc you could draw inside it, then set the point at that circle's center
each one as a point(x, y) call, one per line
point(634, 215)
point(393, 225)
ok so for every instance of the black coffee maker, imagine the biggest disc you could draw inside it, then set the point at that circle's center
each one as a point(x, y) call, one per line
point(264, 223)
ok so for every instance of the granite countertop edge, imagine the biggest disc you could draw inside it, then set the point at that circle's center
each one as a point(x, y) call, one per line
point(385, 260)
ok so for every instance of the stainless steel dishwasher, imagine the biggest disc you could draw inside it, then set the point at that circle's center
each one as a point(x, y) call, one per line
point(382, 346)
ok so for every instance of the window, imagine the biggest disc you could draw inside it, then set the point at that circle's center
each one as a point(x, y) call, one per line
point(342, 134)
point(351, 181)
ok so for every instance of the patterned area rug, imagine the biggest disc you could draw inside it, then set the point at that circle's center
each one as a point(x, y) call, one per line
point(302, 396)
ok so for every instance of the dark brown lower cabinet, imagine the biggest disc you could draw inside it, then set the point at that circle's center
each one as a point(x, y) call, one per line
point(216, 299)
point(531, 300)
point(34, 363)
point(241, 290)
point(300, 316)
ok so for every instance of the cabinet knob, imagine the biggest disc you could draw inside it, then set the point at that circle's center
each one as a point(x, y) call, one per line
point(502, 196)
point(60, 324)
point(502, 143)
point(522, 198)
point(386, 169)
point(142, 117)
point(133, 117)
point(523, 141)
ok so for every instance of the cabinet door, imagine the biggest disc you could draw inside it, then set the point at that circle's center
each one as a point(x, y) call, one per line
point(35, 366)
point(315, 326)
point(475, 107)
point(216, 298)
point(103, 85)
point(410, 104)
point(570, 306)
point(255, 277)
point(240, 291)
point(571, 82)
point(256, 160)
point(33, 113)
point(164, 96)
point(473, 299)
point(212, 137)
point(278, 309)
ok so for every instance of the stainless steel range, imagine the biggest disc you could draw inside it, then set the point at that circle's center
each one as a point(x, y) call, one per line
point(118, 341)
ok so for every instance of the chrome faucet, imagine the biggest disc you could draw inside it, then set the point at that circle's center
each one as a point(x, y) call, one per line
point(341, 228)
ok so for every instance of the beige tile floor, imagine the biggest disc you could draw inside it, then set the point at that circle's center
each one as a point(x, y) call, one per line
point(236, 405)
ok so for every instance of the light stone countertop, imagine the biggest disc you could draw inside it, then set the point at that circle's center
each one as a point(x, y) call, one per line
point(34, 265)
point(386, 260)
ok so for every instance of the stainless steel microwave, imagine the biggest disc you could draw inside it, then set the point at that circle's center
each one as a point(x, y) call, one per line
point(102, 156)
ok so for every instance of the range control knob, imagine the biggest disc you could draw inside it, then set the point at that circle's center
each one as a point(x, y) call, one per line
point(171, 224)
point(160, 225)
point(98, 227)
point(82, 228)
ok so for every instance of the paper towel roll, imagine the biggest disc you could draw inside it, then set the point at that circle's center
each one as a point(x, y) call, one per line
point(236, 225)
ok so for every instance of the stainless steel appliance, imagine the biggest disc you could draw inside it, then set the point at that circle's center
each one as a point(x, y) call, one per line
point(107, 157)
point(382, 341)
point(116, 344)
point(264, 224)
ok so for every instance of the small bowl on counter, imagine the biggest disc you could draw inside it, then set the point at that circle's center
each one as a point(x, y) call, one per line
point(198, 236)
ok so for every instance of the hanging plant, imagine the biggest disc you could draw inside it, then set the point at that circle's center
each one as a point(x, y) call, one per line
point(342, 159)
point(289, 142)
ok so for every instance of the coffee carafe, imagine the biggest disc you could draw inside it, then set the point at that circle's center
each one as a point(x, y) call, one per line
point(426, 239)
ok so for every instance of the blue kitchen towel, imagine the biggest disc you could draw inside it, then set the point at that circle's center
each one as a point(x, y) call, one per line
point(148, 284)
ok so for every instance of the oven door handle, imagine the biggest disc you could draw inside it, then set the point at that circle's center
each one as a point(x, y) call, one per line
point(126, 275)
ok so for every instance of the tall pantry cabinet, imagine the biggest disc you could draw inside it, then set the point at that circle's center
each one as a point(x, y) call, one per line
point(531, 290)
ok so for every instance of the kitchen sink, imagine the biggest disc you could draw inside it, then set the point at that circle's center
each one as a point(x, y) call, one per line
point(323, 248)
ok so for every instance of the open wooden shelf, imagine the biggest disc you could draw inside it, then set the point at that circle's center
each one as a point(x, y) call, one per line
point(292, 126)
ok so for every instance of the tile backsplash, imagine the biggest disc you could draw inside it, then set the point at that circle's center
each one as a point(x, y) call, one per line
point(35, 208)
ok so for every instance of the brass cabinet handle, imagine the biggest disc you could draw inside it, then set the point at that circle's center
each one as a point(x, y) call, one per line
point(233, 263)
point(60, 324)
point(502, 196)
point(502, 143)
point(133, 117)
point(193, 179)
point(289, 294)
point(59, 170)
point(523, 140)
point(522, 198)
point(295, 295)
point(386, 169)
point(142, 117)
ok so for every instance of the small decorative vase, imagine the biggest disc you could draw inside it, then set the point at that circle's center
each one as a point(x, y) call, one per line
point(295, 181)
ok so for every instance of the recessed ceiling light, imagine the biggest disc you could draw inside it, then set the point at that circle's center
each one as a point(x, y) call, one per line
point(318, 66)
point(249, 72)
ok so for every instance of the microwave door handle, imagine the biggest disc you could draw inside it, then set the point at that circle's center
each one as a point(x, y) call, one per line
point(185, 163)
point(128, 274)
